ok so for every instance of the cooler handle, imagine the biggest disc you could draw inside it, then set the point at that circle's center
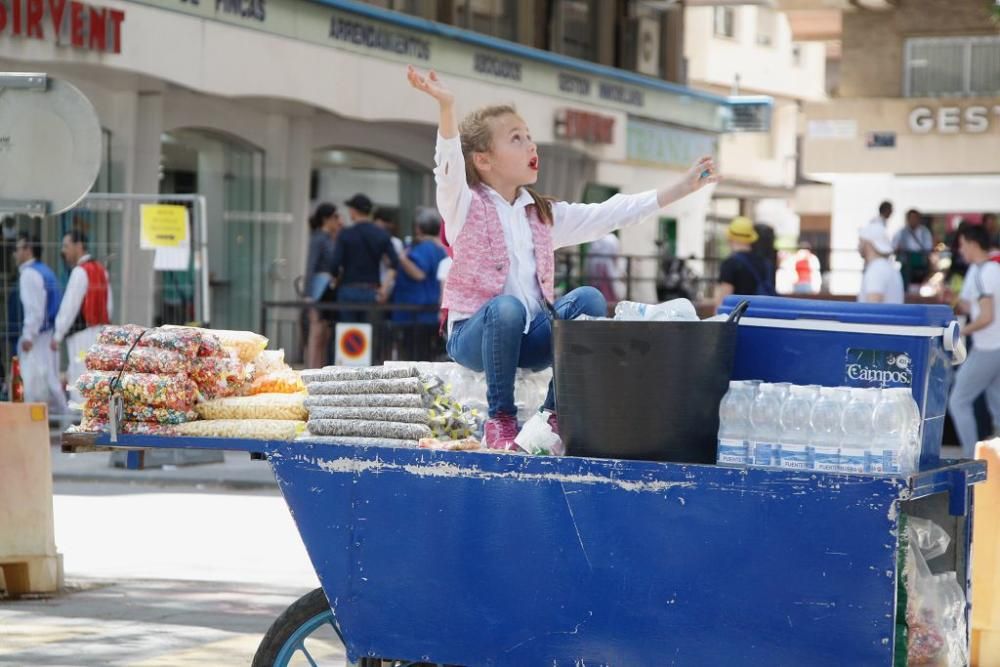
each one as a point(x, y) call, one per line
point(954, 342)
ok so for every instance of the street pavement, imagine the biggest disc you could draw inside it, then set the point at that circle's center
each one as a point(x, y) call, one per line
point(160, 575)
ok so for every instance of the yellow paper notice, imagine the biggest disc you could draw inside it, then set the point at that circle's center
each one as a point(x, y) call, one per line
point(163, 226)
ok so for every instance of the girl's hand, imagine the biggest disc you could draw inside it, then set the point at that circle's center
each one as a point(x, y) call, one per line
point(431, 85)
point(701, 174)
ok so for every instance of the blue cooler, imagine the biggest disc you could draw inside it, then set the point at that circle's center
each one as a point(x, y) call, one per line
point(838, 344)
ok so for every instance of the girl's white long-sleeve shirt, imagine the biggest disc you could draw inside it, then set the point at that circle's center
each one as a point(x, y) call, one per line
point(572, 224)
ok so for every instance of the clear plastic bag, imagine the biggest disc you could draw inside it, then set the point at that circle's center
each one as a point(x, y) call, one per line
point(88, 425)
point(468, 387)
point(261, 406)
point(139, 360)
point(245, 344)
point(218, 377)
point(270, 361)
point(345, 374)
point(405, 415)
point(140, 413)
point(185, 340)
point(936, 604)
point(367, 429)
point(258, 429)
point(930, 538)
point(279, 382)
point(163, 391)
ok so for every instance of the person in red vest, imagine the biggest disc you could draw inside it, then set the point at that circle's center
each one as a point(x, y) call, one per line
point(807, 271)
point(86, 306)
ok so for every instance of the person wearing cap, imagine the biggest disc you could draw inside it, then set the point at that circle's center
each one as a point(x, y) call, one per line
point(743, 272)
point(358, 256)
point(881, 282)
point(981, 371)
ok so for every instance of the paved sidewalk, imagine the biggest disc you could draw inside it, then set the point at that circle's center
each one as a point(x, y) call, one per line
point(149, 623)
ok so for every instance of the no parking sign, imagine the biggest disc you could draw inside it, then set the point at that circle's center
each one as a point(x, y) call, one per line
point(353, 344)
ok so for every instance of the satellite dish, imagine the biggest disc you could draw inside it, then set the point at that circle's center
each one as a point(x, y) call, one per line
point(50, 144)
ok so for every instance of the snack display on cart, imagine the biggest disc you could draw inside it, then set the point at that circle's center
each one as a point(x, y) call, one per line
point(162, 375)
point(395, 404)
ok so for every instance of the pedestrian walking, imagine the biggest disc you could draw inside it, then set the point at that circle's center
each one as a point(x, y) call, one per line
point(981, 370)
point(86, 306)
point(40, 297)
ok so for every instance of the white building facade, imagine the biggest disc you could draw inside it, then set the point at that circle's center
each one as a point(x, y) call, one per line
point(267, 109)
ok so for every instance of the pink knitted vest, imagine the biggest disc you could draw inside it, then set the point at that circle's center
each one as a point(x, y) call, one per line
point(481, 261)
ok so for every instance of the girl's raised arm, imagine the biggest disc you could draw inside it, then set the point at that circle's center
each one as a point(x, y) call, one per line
point(432, 85)
point(453, 193)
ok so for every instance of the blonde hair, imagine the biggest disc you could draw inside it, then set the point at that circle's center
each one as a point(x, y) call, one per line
point(476, 132)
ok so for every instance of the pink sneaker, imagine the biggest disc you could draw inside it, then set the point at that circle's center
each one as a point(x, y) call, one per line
point(499, 433)
point(554, 423)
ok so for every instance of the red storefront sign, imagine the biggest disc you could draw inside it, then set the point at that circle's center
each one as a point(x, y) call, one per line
point(585, 126)
point(68, 22)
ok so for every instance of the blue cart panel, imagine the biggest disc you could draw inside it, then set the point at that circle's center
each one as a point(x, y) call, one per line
point(473, 558)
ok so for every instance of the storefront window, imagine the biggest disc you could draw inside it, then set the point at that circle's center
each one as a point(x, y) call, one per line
point(574, 28)
point(489, 17)
point(952, 66)
point(242, 246)
point(767, 26)
point(724, 20)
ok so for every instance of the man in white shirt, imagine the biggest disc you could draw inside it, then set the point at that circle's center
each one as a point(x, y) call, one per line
point(39, 294)
point(86, 307)
point(981, 371)
point(881, 282)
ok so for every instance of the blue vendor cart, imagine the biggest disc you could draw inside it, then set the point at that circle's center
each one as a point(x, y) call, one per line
point(483, 559)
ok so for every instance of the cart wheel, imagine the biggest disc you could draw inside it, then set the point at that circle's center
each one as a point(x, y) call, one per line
point(304, 632)
point(307, 632)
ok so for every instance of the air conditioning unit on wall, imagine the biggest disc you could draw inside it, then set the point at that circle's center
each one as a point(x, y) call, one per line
point(642, 45)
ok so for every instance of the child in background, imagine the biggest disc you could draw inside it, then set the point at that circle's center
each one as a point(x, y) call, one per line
point(504, 235)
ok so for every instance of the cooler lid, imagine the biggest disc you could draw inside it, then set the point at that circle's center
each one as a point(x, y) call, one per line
point(848, 312)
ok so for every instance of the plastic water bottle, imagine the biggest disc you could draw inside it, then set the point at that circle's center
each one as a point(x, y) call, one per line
point(857, 424)
point(896, 425)
point(675, 310)
point(765, 412)
point(827, 431)
point(796, 428)
point(734, 423)
point(631, 311)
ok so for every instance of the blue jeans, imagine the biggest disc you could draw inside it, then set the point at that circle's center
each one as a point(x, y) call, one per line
point(353, 294)
point(980, 373)
point(493, 340)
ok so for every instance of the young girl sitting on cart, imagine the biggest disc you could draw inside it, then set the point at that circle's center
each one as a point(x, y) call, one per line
point(504, 235)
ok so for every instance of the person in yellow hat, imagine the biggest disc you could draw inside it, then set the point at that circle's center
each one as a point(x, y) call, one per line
point(743, 272)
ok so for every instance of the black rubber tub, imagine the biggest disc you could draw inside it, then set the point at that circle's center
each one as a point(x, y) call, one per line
point(642, 390)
